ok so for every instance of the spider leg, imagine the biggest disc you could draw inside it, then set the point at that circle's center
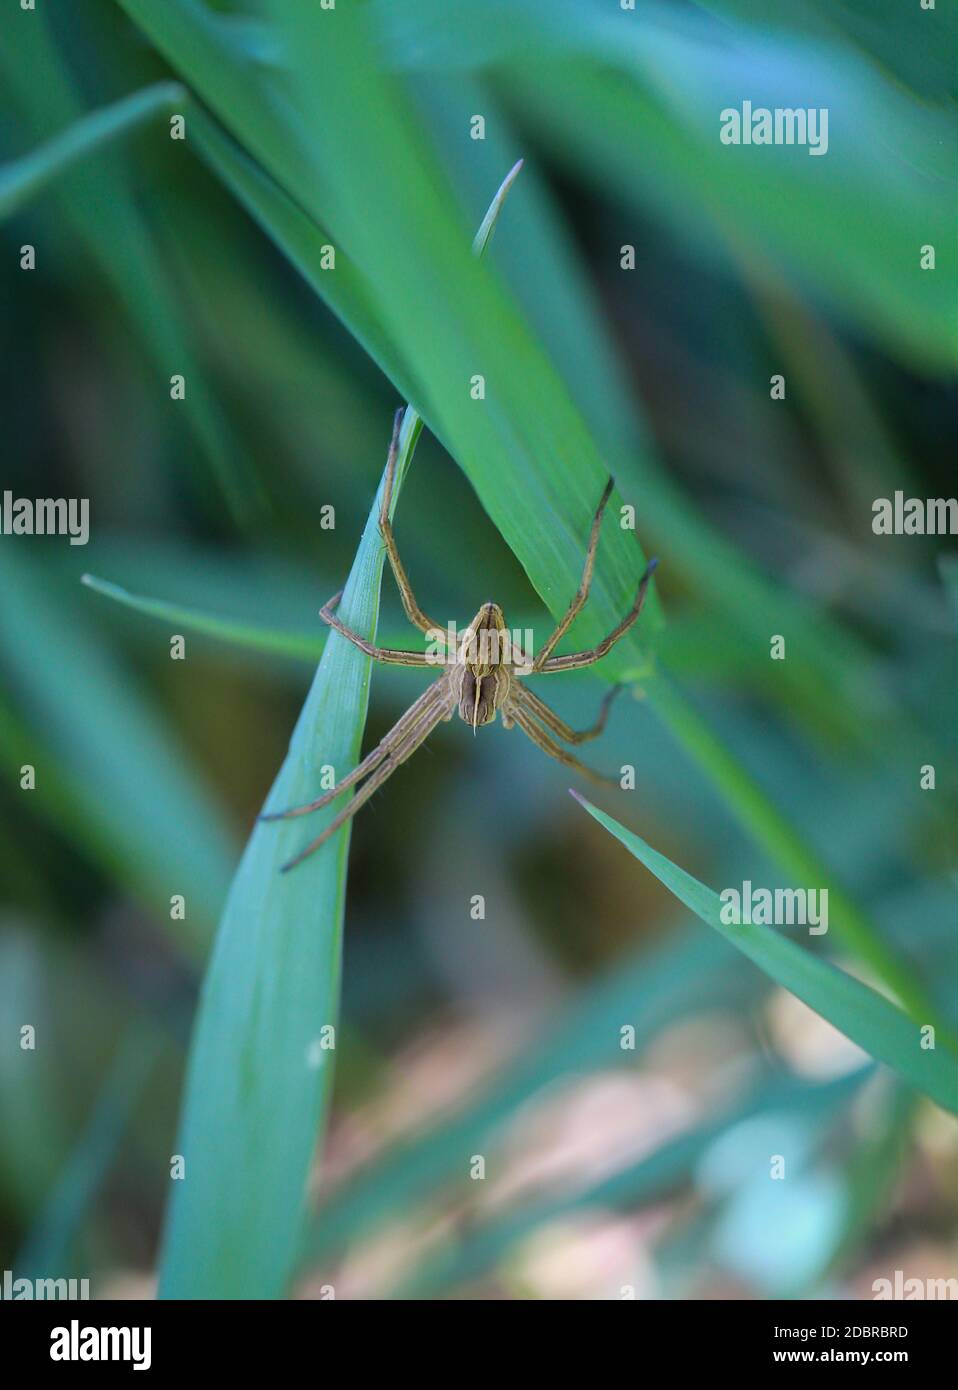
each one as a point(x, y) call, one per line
point(372, 760)
point(389, 655)
point(530, 701)
point(396, 755)
point(573, 660)
point(585, 583)
point(555, 750)
point(413, 612)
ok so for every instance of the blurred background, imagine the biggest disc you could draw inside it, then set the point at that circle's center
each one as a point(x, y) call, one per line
point(611, 1170)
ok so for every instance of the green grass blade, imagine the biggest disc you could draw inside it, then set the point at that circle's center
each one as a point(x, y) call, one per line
point(763, 820)
point(948, 568)
point(919, 55)
point(257, 1072)
point(53, 1234)
point(297, 645)
point(515, 453)
point(109, 772)
point(24, 178)
point(104, 222)
point(301, 240)
point(867, 1018)
point(488, 223)
point(304, 646)
point(382, 200)
point(665, 75)
point(291, 205)
point(34, 1129)
point(524, 445)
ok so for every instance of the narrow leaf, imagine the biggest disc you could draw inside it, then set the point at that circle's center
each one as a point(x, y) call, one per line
point(864, 1016)
point(28, 176)
point(302, 645)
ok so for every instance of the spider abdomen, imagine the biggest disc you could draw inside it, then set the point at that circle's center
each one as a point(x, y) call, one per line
point(481, 696)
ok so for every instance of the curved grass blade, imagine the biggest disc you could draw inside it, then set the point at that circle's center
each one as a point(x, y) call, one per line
point(109, 772)
point(303, 645)
point(253, 637)
point(28, 176)
point(665, 74)
point(488, 224)
point(384, 205)
point(282, 197)
point(763, 820)
point(867, 1018)
point(103, 221)
point(301, 239)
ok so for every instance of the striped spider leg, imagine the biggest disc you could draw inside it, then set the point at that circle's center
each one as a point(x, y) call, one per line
point(481, 676)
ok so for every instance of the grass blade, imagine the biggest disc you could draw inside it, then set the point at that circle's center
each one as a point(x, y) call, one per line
point(665, 74)
point(867, 1018)
point(54, 1233)
point(103, 221)
point(305, 645)
point(98, 747)
point(760, 816)
point(28, 176)
point(257, 1069)
point(383, 203)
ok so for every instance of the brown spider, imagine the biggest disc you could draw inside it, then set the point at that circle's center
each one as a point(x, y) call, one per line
point(481, 675)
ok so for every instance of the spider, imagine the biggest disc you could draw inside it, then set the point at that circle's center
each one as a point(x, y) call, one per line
point(482, 675)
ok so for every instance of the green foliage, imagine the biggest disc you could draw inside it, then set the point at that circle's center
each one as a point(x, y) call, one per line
point(867, 1018)
point(348, 131)
point(261, 1060)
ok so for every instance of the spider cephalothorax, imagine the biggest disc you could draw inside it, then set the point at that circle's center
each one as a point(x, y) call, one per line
point(482, 673)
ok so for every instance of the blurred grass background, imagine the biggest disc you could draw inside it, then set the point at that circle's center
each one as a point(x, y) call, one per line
point(642, 1169)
